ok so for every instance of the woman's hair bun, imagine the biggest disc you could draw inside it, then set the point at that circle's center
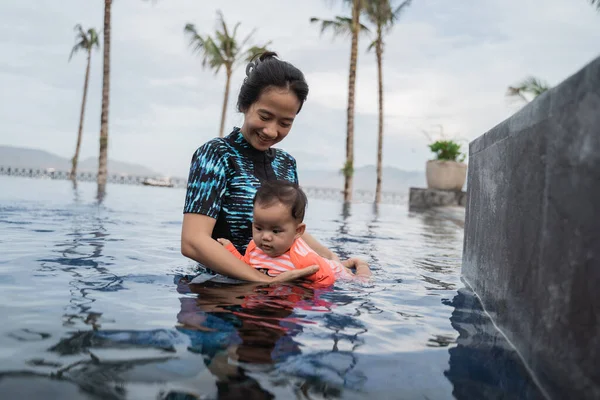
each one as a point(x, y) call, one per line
point(267, 55)
point(259, 58)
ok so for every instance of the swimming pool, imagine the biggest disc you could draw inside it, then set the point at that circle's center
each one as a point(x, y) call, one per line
point(94, 304)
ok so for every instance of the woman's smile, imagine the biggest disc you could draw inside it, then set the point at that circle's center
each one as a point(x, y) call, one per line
point(264, 139)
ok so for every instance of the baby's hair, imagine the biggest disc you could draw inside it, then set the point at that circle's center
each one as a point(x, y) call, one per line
point(287, 193)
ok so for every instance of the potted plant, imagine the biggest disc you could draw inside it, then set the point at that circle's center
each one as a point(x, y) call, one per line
point(447, 171)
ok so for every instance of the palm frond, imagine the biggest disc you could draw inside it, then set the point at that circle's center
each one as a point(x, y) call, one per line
point(400, 9)
point(372, 45)
point(247, 39)
point(595, 3)
point(530, 85)
point(196, 41)
point(84, 40)
point(223, 48)
point(340, 26)
point(382, 14)
point(254, 51)
point(213, 57)
point(516, 93)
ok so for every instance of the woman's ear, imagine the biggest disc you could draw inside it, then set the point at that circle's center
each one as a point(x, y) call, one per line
point(300, 229)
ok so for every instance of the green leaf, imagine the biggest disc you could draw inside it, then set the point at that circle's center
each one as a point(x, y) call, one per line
point(447, 150)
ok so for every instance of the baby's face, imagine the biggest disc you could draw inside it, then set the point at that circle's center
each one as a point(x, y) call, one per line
point(274, 229)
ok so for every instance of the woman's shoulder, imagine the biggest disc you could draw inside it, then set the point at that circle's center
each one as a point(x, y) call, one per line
point(214, 143)
point(284, 155)
point(213, 147)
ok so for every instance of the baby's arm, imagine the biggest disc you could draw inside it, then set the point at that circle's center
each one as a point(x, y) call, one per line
point(229, 246)
point(361, 266)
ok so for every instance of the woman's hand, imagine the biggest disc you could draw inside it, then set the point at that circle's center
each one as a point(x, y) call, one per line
point(224, 242)
point(295, 274)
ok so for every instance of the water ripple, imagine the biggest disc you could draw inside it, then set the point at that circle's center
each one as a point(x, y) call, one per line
point(97, 296)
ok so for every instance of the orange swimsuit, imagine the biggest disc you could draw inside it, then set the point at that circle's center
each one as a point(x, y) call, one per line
point(299, 256)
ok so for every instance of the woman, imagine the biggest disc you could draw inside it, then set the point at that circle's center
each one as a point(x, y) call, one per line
point(226, 172)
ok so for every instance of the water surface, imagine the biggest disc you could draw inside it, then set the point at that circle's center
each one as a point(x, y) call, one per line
point(95, 304)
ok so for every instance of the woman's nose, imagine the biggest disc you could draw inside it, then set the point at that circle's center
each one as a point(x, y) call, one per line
point(270, 131)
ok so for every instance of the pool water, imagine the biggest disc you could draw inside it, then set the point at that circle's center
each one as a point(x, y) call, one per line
point(94, 303)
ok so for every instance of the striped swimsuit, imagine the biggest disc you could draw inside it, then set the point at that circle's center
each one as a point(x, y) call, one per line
point(299, 256)
point(224, 176)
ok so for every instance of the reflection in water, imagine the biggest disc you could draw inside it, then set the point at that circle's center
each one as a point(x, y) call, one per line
point(237, 330)
point(81, 256)
point(436, 263)
point(483, 365)
point(237, 325)
point(101, 193)
point(371, 235)
point(255, 321)
point(440, 224)
point(342, 232)
point(87, 268)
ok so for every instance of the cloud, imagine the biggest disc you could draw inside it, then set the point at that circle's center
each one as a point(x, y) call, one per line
point(442, 65)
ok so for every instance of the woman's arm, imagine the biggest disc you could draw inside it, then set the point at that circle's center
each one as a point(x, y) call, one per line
point(319, 248)
point(197, 244)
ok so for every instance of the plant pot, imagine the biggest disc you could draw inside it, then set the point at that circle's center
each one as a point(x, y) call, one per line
point(445, 175)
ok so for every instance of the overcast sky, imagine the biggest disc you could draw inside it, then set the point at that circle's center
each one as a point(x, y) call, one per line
point(446, 63)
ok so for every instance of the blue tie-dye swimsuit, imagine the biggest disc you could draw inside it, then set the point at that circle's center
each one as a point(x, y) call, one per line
point(224, 176)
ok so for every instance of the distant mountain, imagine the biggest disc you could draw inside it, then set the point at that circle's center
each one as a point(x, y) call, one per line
point(394, 179)
point(20, 157)
point(365, 178)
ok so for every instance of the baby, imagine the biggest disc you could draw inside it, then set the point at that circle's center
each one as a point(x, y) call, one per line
point(277, 245)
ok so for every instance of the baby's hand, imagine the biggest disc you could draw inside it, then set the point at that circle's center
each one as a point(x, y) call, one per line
point(361, 266)
point(353, 262)
point(224, 242)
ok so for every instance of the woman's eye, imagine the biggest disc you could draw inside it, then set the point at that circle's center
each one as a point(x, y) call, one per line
point(263, 118)
point(285, 125)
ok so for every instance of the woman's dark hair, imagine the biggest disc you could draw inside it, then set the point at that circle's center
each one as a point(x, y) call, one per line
point(268, 70)
point(287, 193)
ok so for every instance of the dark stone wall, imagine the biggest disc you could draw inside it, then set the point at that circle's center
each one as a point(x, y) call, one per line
point(532, 233)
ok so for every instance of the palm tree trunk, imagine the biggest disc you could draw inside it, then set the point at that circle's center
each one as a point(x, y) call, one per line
point(379, 54)
point(349, 167)
point(75, 159)
point(225, 100)
point(103, 157)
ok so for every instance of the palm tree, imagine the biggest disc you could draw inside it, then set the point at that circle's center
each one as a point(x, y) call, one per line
point(595, 3)
point(84, 41)
point(531, 85)
point(382, 14)
point(103, 156)
point(223, 51)
point(344, 26)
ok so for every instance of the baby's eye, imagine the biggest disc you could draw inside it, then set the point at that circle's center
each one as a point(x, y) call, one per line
point(257, 228)
point(276, 231)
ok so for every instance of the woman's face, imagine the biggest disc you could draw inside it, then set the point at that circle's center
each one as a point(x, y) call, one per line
point(269, 119)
